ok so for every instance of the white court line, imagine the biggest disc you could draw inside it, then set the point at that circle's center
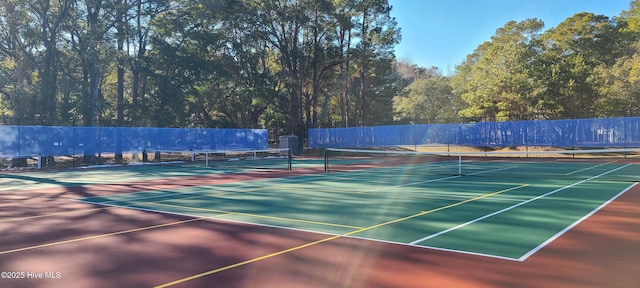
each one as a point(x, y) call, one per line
point(288, 180)
point(518, 205)
point(434, 248)
point(171, 193)
point(589, 168)
point(536, 249)
point(434, 180)
point(221, 217)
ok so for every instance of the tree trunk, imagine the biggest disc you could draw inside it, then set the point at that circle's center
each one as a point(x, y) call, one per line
point(120, 18)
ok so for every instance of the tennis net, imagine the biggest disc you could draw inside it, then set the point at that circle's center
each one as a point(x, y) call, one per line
point(566, 164)
point(279, 158)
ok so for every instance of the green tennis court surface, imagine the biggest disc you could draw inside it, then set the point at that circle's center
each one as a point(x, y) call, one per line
point(128, 173)
point(73, 177)
point(503, 210)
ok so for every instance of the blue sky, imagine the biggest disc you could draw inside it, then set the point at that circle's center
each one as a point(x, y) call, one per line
point(442, 32)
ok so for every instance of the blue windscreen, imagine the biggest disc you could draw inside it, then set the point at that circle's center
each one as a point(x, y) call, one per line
point(607, 132)
point(68, 140)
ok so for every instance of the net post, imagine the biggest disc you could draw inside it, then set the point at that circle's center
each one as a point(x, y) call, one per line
point(39, 162)
point(206, 158)
point(289, 159)
point(326, 160)
point(459, 164)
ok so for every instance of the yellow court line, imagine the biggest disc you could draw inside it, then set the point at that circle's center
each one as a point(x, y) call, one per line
point(98, 236)
point(589, 168)
point(93, 209)
point(478, 198)
point(101, 235)
point(259, 216)
point(333, 190)
point(466, 182)
point(248, 261)
point(330, 239)
point(439, 208)
point(280, 186)
point(351, 191)
point(53, 214)
point(284, 186)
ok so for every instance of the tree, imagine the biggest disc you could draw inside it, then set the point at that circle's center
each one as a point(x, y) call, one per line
point(17, 62)
point(495, 81)
point(427, 100)
point(461, 80)
point(377, 33)
point(29, 52)
point(619, 84)
point(282, 24)
point(572, 52)
point(620, 87)
point(52, 16)
point(141, 29)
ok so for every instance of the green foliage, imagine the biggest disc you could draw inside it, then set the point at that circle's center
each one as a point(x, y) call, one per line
point(494, 80)
point(427, 100)
point(231, 63)
point(572, 53)
point(288, 65)
point(525, 73)
point(619, 86)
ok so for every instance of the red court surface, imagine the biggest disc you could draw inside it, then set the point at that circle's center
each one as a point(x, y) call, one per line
point(71, 244)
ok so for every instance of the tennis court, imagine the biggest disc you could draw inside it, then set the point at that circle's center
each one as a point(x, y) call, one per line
point(480, 222)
